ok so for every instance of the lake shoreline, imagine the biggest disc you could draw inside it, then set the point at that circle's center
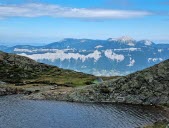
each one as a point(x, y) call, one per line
point(152, 125)
point(60, 94)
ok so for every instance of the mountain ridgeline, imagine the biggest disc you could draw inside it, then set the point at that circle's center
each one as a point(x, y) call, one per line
point(109, 57)
point(149, 86)
point(20, 69)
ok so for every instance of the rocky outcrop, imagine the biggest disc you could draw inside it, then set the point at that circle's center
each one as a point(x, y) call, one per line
point(150, 86)
point(10, 91)
point(159, 124)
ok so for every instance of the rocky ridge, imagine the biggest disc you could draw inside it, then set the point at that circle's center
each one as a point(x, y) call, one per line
point(149, 86)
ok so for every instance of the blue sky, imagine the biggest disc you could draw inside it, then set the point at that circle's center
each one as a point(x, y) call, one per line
point(44, 21)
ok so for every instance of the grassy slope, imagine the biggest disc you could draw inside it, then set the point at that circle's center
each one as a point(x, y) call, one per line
point(19, 69)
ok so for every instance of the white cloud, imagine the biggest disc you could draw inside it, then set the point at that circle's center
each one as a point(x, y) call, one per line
point(99, 46)
point(52, 10)
point(113, 56)
point(132, 62)
point(160, 50)
point(61, 55)
point(128, 49)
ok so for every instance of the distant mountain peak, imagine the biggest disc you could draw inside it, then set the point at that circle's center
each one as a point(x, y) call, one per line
point(146, 42)
point(83, 40)
point(74, 39)
point(122, 39)
point(125, 38)
point(66, 39)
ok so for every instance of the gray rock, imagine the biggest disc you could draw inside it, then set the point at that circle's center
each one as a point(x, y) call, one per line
point(149, 86)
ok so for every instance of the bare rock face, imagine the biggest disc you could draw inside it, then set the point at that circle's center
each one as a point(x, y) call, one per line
point(149, 86)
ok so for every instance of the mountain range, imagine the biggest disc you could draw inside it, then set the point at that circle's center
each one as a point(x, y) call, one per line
point(109, 57)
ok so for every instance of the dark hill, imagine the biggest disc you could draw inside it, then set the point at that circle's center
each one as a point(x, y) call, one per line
point(19, 69)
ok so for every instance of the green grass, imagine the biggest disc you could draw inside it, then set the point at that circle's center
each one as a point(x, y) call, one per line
point(52, 75)
point(19, 69)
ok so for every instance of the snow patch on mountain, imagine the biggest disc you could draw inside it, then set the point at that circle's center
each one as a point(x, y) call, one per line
point(60, 54)
point(113, 56)
point(147, 42)
point(124, 39)
point(127, 40)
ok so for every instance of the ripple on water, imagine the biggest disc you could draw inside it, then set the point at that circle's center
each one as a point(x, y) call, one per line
point(16, 113)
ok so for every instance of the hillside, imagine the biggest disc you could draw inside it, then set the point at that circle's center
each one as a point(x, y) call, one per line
point(149, 86)
point(22, 70)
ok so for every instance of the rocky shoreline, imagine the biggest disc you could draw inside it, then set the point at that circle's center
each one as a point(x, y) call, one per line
point(159, 124)
point(10, 91)
point(70, 95)
point(147, 87)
